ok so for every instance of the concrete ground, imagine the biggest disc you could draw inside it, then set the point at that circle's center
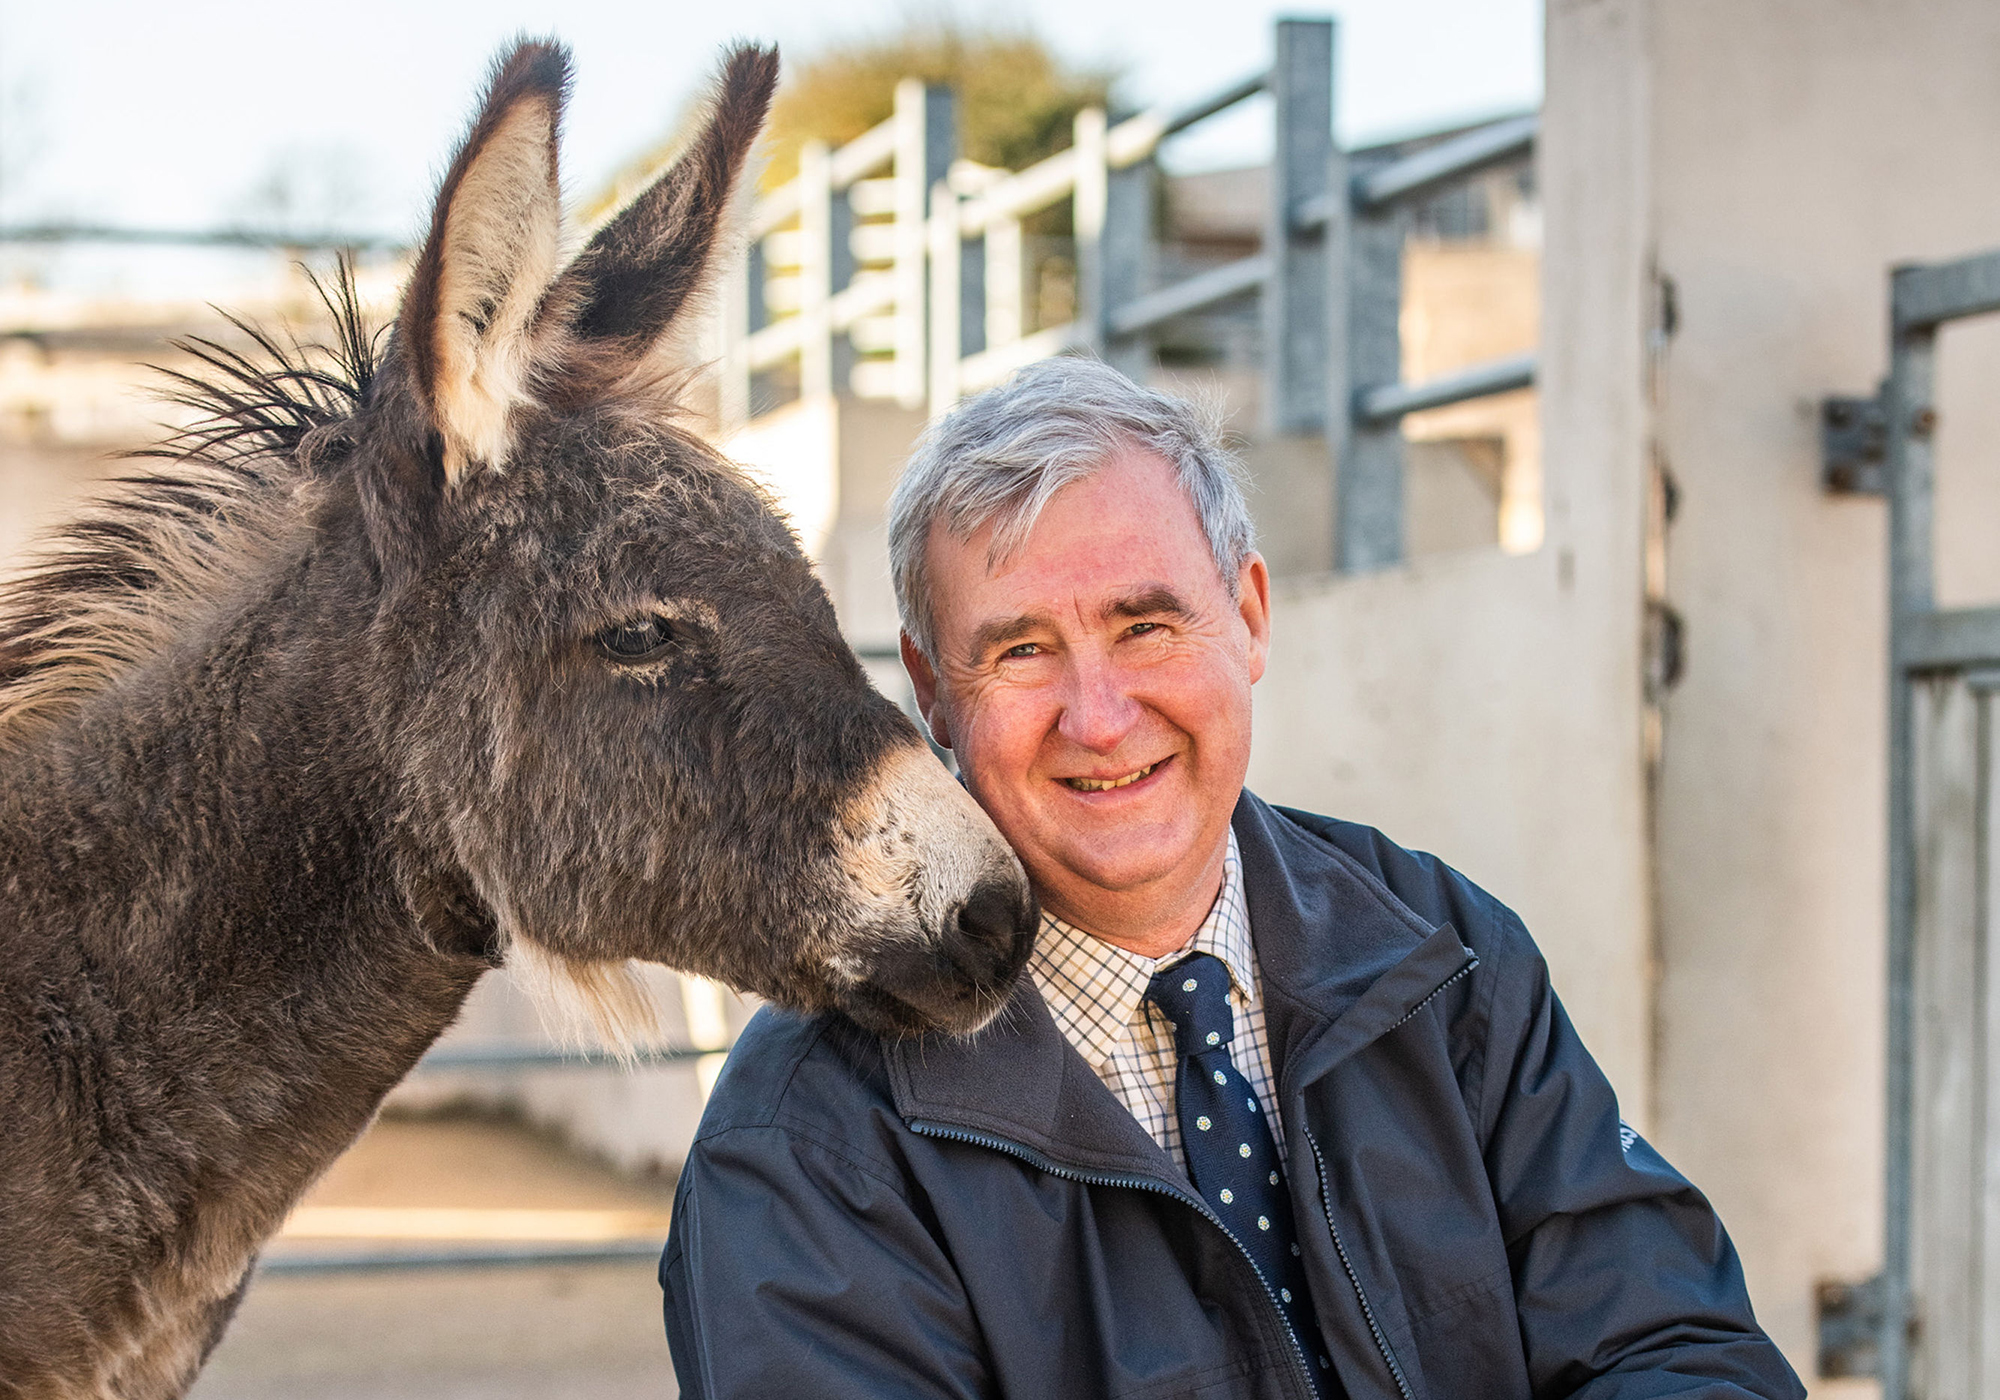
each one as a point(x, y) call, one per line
point(495, 1332)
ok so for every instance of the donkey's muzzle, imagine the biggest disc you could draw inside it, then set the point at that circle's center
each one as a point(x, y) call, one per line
point(960, 980)
point(997, 917)
point(949, 920)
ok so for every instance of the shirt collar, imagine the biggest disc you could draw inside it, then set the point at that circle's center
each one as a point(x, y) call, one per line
point(1094, 988)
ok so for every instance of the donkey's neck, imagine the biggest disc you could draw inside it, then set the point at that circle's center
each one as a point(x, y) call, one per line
point(226, 828)
point(225, 952)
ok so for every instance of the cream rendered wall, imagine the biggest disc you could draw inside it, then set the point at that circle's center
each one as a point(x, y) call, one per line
point(1474, 706)
point(40, 487)
point(1487, 707)
point(640, 1119)
point(1797, 148)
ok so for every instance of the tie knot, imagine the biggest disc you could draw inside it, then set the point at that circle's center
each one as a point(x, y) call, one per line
point(1194, 994)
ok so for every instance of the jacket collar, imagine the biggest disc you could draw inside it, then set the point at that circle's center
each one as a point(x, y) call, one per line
point(1343, 961)
point(1020, 1079)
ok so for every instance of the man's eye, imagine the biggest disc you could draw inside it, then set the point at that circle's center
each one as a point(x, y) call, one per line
point(1140, 629)
point(1023, 649)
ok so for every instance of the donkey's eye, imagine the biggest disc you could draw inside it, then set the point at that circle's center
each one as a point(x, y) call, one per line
point(644, 640)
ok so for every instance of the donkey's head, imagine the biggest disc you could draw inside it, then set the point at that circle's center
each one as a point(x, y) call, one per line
point(621, 704)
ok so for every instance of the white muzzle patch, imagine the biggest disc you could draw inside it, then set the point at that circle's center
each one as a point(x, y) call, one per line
point(919, 848)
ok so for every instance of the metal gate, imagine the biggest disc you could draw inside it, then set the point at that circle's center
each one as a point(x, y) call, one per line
point(1939, 1294)
point(890, 270)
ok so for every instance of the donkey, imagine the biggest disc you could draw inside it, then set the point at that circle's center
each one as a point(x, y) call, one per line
point(401, 665)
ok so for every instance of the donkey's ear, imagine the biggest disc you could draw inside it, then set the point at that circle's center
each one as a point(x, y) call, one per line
point(637, 273)
point(468, 318)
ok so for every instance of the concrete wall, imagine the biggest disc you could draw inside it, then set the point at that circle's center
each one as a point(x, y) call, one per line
point(39, 488)
point(1705, 873)
point(1488, 707)
point(640, 1119)
point(1483, 707)
point(1758, 167)
point(1797, 148)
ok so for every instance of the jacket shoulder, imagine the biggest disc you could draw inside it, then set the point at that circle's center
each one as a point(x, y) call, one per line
point(1487, 1016)
point(816, 1073)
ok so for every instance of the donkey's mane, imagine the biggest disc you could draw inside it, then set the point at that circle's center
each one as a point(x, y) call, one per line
point(108, 589)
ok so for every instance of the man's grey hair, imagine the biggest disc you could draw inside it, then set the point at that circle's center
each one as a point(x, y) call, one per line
point(999, 457)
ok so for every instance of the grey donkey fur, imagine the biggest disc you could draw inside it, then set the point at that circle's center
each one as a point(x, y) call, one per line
point(396, 668)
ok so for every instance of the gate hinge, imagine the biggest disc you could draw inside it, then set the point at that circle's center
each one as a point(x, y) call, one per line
point(1850, 1327)
point(1666, 649)
point(1853, 445)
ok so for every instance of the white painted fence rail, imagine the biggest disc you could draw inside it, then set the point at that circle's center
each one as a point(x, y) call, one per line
point(889, 269)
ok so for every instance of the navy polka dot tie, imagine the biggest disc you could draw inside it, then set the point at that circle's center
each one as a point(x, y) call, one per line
point(1229, 1149)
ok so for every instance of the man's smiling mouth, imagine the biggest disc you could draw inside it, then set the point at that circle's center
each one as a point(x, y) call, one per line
point(1106, 784)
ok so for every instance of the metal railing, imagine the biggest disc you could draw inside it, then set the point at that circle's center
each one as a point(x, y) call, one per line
point(977, 322)
point(943, 268)
point(887, 269)
point(286, 240)
point(491, 1057)
point(381, 1261)
point(496, 1057)
point(505, 1055)
point(834, 280)
point(703, 1041)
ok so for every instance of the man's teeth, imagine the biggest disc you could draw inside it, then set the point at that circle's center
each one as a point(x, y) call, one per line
point(1106, 784)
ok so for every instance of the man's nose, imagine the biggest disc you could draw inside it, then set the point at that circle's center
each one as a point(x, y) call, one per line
point(1097, 711)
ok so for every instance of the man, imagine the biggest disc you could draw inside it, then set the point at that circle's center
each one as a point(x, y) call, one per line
point(1282, 1110)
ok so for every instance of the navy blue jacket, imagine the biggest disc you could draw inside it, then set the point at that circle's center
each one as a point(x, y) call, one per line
point(982, 1217)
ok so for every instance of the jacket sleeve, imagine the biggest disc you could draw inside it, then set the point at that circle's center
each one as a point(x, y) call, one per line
point(793, 1270)
point(1626, 1284)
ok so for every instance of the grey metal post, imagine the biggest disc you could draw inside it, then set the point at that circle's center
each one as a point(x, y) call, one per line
point(1090, 198)
point(926, 144)
point(755, 314)
point(1910, 481)
point(1368, 456)
point(1125, 250)
point(972, 296)
point(840, 266)
point(1297, 306)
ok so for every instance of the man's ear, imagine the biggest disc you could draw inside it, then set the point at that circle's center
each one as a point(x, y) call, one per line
point(467, 326)
point(638, 273)
point(923, 679)
point(1253, 605)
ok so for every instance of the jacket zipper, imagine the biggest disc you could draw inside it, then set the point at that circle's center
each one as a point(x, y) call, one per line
point(1437, 991)
point(1367, 1311)
point(1143, 1183)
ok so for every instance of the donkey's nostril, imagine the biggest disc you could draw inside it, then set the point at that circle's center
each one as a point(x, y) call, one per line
point(956, 978)
point(992, 914)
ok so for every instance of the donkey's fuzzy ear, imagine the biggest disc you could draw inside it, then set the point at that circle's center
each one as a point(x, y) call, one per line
point(638, 272)
point(468, 317)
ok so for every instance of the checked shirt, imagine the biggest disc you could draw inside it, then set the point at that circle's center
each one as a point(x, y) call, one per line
point(1097, 994)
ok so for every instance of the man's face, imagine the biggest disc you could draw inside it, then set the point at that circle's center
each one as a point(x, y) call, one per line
point(1096, 688)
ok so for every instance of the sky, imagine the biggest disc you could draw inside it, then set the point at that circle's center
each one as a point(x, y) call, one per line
point(201, 113)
